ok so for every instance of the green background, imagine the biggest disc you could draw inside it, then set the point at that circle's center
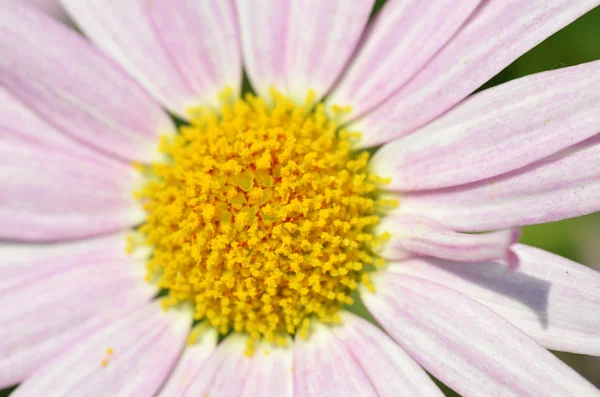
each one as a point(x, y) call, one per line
point(575, 44)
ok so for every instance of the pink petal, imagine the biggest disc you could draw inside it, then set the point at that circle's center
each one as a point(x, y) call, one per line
point(263, 36)
point(495, 35)
point(185, 53)
point(50, 7)
point(418, 236)
point(52, 194)
point(391, 371)
point(201, 40)
point(271, 372)
point(497, 130)
point(224, 372)
point(19, 124)
point(54, 296)
point(90, 99)
point(466, 345)
point(405, 35)
point(299, 45)
point(131, 357)
point(193, 358)
point(323, 367)
point(562, 186)
point(553, 300)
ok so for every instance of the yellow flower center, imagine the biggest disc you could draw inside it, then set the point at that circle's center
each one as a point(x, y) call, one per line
point(262, 217)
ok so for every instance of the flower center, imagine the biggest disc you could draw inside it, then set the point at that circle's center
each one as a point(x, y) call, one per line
point(262, 217)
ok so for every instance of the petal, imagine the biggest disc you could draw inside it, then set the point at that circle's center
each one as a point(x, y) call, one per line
point(391, 371)
point(296, 46)
point(496, 34)
point(497, 131)
point(183, 52)
point(20, 124)
point(418, 236)
point(562, 186)
point(225, 371)
point(466, 345)
point(553, 300)
point(131, 357)
point(40, 317)
point(323, 367)
point(201, 343)
point(90, 99)
point(263, 36)
point(201, 41)
point(403, 37)
point(271, 372)
point(52, 194)
point(50, 7)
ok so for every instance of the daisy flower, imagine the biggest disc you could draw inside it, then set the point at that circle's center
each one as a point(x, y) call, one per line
point(218, 255)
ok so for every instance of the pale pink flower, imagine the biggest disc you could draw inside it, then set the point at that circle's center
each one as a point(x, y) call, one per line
point(78, 317)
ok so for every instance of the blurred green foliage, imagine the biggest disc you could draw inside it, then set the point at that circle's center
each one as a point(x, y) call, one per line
point(575, 44)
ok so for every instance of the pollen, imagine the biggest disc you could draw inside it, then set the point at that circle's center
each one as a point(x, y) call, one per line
point(261, 217)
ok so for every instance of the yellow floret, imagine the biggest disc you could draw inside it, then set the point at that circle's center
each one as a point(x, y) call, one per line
point(262, 218)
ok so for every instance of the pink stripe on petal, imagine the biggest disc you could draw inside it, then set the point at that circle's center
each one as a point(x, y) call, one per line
point(466, 345)
point(90, 98)
point(271, 372)
point(412, 235)
point(53, 296)
point(322, 38)
point(299, 45)
point(562, 186)
point(323, 367)
point(124, 30)
point(403, 37)
point(224, 372)
point(191, 361)
point(20, 124)
point(494, 36)
point(264, 33)
point(53, 194)
point(553, 300)
point(200, 37)
point(497, 131)
point(391, 371)
point(132, 357)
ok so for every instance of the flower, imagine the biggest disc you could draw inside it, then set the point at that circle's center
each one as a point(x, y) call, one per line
point(263, 215)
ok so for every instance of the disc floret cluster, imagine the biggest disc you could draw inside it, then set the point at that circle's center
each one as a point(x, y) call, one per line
point(261, 217)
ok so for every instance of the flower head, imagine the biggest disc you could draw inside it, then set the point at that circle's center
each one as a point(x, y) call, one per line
point(359, 170)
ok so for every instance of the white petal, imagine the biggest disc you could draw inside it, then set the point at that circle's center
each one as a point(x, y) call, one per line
point(412, 236)
point(466, 345)
point(561, 186)
point(553, 300)
point(193, 358)
point(224, 372)
point(90, 99)
point(299, 45)
point(389, 368)
point(323, 367)
point(131, 357)
point(496, 131)
point(54, 296)
point(270, 372)
point(183, 52)
point(495, 35)
point(55, 194)
point(400, 40)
